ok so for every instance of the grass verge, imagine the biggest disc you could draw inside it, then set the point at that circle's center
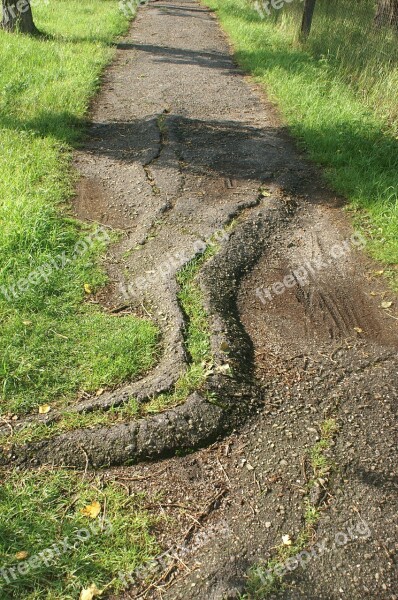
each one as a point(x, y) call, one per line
point(197, 339)
point(43, 508)
point(52, 343)
point(331, 116)
point(264, 580)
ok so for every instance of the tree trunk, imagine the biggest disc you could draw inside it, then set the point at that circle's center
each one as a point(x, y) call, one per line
point(17, 16)
point(387, 13)
point(309, 7)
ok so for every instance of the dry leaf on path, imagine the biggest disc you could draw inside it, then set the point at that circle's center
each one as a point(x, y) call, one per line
point(222, 368)
point(225, 346)
point(286, 541)
point(386, 304)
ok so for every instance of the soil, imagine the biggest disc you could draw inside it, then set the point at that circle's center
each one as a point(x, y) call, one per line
point(181, 143)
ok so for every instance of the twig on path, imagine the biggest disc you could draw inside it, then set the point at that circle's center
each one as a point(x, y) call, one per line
point(145, 310)
point(390, 315)
point(194, 519)
point(303, 473)
point(87, 460)
point(205, 513)
point(223, 470)
point(8, 424)
point(256, 481)
point(140, 477)
point(156, 583)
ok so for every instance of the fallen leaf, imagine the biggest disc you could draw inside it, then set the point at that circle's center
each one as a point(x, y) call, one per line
point(224, 347)
point(222, 368)
point(91, 510)
point(286, 541)
point(44, 409)
point(22, 555)
point(87, 289)
point(358, 329)
point(99, 392)
point(90, 592)
point(386, 304)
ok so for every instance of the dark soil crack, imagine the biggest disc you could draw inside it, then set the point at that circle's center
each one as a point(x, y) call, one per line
point(162, 129)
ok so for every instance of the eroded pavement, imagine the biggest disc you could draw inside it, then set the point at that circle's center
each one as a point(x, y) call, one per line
point(181, 144)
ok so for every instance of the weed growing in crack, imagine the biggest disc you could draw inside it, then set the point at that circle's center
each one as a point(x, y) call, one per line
point(264, 580)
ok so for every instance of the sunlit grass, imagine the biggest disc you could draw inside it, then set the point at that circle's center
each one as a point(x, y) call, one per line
point(44, 508)
point(52, 343)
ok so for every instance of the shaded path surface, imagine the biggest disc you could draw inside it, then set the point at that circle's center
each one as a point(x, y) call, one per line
point(181, 143)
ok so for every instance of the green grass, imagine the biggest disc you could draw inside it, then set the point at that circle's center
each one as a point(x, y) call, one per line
point(197, 336)
point(320, 462)
point(42, 508)
point(337, 38)
point(190, 297)
point(198, 347)
point(52, 343)
point(338, 95)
